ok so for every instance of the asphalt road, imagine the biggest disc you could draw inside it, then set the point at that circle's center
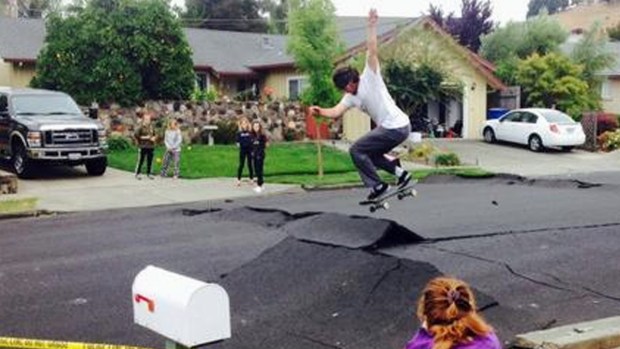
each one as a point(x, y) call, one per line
point(315, 270)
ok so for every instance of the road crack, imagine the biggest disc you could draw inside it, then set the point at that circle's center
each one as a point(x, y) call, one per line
point(569, 287)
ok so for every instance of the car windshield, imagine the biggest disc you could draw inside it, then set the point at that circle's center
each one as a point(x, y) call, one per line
point(557, 117)
point(53, 104)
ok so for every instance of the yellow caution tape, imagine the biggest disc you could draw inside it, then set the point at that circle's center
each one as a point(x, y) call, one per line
point(28, 343)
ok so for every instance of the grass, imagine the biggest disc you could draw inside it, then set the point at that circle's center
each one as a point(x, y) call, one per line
point(288, 163)
point(17, 205)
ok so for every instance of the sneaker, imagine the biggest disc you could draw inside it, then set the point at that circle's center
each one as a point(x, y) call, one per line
point(150, 177)
point(238, 182)
point(175, 177)
point(404, 179)
point(378, 191)
point(138, 177)
point(258, 189)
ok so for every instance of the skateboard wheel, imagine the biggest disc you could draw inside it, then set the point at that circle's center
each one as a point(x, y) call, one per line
point(400, 196)
point(413, 192)
point(386, 206)
point(372, 209)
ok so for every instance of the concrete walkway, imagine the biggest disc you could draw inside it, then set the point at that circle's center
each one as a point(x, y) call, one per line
point(70, 190)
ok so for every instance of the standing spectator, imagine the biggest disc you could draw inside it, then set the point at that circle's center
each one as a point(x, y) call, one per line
point(145, 138)
point(244, 142)
point(447, 311)
point(259, 143)
point(172, 140)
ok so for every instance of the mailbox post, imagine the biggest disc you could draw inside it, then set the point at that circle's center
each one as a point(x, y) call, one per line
point(186, 311)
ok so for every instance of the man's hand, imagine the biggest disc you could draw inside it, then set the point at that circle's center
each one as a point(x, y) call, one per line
point(315, 110)
point(373, 17)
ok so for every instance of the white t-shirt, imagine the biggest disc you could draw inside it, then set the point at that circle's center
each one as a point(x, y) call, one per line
point(374, 99)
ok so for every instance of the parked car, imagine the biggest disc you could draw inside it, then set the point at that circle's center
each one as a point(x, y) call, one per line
point(536, 128)
point(47, 127)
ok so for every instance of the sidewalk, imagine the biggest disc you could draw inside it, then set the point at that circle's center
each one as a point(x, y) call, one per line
point(75, 191)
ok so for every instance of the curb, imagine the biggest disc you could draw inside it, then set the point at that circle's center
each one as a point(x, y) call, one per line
point(25, 214)
point(597, 334)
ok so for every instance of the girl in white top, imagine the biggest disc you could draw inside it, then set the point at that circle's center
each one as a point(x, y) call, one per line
point(173, 140)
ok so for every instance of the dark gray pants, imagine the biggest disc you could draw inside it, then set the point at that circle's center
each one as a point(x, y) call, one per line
point(368, 152)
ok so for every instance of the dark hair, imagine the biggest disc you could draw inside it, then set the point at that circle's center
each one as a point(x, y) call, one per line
point(343, 76)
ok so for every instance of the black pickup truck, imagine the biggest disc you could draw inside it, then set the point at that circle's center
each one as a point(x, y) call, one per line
point(41, 127)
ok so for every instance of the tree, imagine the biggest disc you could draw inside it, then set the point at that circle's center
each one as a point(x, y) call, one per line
point(515, 41)
point(536, 7)
point(592, 54)
point(278, 14)
point(120, 51)
point(474, 22)
point(553, 81)
point(232, 15)
point(314, 44)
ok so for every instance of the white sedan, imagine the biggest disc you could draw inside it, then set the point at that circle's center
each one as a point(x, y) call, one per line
point(537, 128)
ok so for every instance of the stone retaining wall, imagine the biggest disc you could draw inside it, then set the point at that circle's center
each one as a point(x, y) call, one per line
point(282, 121)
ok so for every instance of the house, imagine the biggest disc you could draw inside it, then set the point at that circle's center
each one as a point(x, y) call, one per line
point(610, 86)
point(233, 63)
point(20, 42)
point(581, 17)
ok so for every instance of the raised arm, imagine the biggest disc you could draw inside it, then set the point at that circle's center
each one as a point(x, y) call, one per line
point(371, 41)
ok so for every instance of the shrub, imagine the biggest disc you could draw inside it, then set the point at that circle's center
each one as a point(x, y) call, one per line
point(447, 159)
point(606, 122)
point(609, 141)
point(423, 152)
point(119, 143)
point(226, 132)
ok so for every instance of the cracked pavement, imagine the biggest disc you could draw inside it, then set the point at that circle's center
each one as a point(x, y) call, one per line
point(315, 270)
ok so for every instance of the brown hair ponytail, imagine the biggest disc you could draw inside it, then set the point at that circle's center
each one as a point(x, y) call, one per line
point(448, 309)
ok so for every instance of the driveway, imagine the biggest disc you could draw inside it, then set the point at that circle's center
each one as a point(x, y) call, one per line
point(513, 159)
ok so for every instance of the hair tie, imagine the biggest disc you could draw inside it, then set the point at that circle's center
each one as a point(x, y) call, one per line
point(453, 296)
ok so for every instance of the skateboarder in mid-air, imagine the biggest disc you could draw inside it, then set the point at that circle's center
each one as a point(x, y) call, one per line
point(368, 92)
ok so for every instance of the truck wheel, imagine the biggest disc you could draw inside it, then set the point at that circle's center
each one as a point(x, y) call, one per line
point(22, 165)
point(96, 167)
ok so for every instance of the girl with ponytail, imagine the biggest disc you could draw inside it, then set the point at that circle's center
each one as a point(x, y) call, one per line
point(447, 311)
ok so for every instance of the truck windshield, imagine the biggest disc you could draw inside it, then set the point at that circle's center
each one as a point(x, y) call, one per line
point(56, 104)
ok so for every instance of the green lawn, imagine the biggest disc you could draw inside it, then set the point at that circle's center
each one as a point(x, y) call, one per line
point(17, 205)
point(290, 163)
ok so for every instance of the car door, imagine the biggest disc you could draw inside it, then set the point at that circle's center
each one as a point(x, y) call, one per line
point(527, 127)
point(508, 127)
point(5, 120)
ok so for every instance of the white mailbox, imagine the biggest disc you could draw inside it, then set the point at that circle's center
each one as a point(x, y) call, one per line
point(182, 309)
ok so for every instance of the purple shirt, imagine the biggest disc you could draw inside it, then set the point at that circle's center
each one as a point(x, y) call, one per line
point(423, 340)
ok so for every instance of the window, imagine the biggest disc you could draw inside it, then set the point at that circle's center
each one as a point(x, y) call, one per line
point(4, 106)
point(202, 81)
point(529, 118)
point(513, 117)
point(295, 86)
point(606, 90)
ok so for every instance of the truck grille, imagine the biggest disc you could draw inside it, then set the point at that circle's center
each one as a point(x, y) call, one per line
point(70, 138)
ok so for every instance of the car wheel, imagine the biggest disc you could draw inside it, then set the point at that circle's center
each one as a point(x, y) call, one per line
point(535, 143)
point(22, 165)
point(96, 167)
point(489, 135)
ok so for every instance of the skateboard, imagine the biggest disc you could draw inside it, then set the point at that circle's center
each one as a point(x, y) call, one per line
point(382, 202)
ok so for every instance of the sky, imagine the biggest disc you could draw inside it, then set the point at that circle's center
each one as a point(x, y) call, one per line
point(503, 10)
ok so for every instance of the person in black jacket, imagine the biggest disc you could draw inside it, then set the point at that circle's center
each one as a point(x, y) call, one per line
point(259, 143)
point(145, 138)
point(244, 142)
